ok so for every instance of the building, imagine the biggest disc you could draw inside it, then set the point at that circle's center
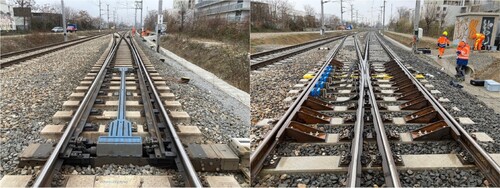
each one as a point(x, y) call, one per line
point(184, 4)
point(468, 24)
point(7, 21)
point(231, 10)
point(447, 10)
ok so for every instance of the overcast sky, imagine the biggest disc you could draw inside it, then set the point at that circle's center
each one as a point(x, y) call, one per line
point(364, 7)
point(125, 9)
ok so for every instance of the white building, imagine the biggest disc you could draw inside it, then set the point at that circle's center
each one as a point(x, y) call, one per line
point(447, 10)
point(186, 4)
point(7, 20)
point(231, 10)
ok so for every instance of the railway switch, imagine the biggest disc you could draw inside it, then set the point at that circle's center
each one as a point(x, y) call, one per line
point(120, 141)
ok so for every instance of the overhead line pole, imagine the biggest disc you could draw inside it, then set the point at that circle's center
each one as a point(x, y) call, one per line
point(107, 10)
point(415, 25)
point(64, 22)
point(341, 13)
point(158, 26)
point(100, 16)
point(142, 26)
point(352, 15)
point(383, 20)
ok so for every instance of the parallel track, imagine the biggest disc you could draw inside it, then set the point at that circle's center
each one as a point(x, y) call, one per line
point(368, 113)
point(265, 58)
point(166, 148)
point(13, 58)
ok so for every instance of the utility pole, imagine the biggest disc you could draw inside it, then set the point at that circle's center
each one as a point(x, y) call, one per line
point(158, 26)
point(100, 16)
point(142, 27)
point(352, 15)
point(415, 25)
point(135, 16)
point(341, 13)
point(107, 10)
point(322, 29)
point(383, 20)
point(64, 22)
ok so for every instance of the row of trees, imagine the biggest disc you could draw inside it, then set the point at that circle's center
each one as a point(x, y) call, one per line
point(278, 15)
point(50, 16)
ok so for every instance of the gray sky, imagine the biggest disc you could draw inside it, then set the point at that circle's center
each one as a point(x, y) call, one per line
point(124, 8)
point(364, 7)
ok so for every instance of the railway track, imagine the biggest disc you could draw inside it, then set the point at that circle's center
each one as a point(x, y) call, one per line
point(341, 128)
point(13, 58)
point(265, 58)
point(117, 116)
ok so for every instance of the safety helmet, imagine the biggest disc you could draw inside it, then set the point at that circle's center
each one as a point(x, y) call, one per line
point(461, 44)
point(445, 33)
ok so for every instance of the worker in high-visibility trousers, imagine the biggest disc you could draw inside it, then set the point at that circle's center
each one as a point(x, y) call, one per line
point(463, 52)
point(133, 31)
point(442, 43)
point(479, 41)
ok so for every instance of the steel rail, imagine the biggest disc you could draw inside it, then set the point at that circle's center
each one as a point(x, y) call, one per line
point(354, 172)
point(21, 59)
point(388, 165)
point(489, 168)
point(45, 173)
point(257, 65)
point(10, 54)
point(192, 177)
point(273, 51)
point(264, 149)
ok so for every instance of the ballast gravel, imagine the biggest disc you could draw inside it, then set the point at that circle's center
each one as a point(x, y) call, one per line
point(32, 91)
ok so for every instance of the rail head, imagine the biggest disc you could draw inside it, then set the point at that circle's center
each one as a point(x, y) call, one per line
point(188, 168)
point(389, 166)
point(354, 172)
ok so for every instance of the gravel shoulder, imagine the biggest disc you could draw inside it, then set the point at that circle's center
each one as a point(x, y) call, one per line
point(220, 117)
point(486, 66)
point(31, 92)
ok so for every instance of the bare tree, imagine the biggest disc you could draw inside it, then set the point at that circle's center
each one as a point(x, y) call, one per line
point(310, 19)
point(183, 7)
point(431, 14)
point(261, 15)
point(150, 20)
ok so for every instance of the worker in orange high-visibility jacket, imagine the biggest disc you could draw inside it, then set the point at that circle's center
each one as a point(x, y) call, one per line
point(463, 51)
point(442, 43)
point(479, 41)
point(133, 31)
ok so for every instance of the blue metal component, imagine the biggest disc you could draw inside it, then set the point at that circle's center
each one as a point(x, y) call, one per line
point(120, 130)
point(315, 92)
